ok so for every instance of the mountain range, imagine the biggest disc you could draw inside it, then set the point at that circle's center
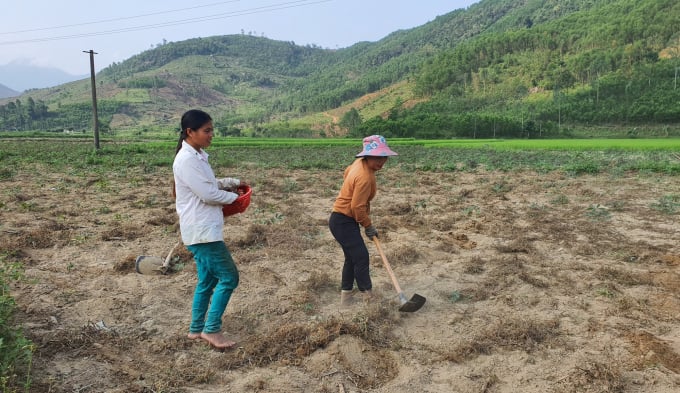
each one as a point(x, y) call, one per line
point(20, 76)
point(501, 68)
point(7, 92)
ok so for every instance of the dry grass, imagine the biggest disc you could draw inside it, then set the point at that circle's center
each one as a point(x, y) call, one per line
point(508, 333)
point(290, 343)
point(121, 232)
point(34, 238)
point(404, 255)
point(593, 376)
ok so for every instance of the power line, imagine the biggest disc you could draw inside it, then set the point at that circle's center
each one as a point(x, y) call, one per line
point(117, 19)
point(256, 10)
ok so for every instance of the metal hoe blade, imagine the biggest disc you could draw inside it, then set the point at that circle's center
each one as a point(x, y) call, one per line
point(146, 264)
point(416, 301)
point(412, 305)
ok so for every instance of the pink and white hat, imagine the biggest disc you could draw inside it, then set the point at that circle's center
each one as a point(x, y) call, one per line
point(376, 146)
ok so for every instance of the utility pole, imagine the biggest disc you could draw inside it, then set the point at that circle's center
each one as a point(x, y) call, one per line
point(95, 120)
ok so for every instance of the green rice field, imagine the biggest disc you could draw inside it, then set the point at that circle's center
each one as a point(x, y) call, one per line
point(572, 156)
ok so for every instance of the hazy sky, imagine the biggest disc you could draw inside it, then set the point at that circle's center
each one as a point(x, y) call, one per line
point(55, 33)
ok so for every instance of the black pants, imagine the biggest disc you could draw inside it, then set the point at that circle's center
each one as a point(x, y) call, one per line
point(348, 233)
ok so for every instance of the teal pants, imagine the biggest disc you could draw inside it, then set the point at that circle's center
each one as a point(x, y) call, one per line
point(217, 279)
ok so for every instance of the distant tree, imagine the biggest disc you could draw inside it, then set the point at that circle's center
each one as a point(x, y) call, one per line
point(30, 108)
point(396, 107)
point(351, 120)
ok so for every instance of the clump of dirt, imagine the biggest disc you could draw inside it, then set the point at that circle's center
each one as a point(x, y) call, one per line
point(34, 238)
point(256, 236)
point(652, 351)
point(126, 265)
point(128, 232)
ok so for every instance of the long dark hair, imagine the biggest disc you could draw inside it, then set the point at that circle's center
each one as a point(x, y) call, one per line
point(191, 119)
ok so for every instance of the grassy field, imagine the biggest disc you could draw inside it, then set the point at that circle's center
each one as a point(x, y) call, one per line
point(573, 156)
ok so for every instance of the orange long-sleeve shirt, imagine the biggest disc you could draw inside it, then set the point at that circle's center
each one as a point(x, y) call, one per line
point(357, 191)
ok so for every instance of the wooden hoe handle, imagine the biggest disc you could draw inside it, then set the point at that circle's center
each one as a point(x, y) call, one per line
point(387, 264)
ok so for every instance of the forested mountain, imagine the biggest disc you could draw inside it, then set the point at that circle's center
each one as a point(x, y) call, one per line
point(503, 68)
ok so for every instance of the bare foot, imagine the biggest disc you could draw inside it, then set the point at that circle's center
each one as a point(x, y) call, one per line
point(193, 336)
point(218, 341)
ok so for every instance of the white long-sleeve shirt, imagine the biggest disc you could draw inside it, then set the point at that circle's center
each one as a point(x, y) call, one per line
point(199, 199)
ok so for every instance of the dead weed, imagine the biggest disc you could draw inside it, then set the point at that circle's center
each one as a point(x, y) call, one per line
point(34, 238)
point(592, 376)
point(404, 255)
point(511, 333)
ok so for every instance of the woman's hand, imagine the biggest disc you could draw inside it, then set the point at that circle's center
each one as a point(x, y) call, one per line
point(371, 232)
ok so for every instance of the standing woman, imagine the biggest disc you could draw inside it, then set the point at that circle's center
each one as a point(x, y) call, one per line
point(199, 200)
point(351, 211)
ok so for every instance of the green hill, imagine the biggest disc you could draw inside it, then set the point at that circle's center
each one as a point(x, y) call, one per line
point(500, 68)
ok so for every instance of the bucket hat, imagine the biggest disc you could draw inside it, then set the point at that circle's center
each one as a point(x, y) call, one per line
point(376, 146)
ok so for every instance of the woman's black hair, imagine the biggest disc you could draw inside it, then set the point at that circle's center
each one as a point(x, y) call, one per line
point(193, 119)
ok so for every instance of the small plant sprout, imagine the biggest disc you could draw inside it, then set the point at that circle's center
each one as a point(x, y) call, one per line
point(605, 292)
point(501, 187)
point(456, 296)
point(471, 211)
point(560, 199)
point(668, 204)
point(598, 213)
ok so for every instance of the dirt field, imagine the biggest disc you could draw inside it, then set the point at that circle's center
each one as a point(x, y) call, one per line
point(534, 283)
